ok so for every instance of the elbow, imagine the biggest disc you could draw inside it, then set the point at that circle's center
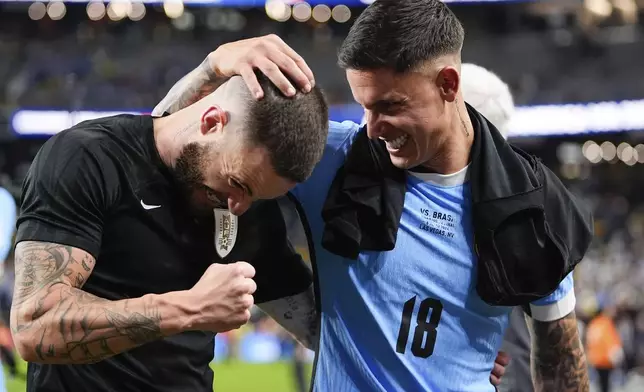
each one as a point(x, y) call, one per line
point(25, 347)
point(23, 333)
point(26, 352)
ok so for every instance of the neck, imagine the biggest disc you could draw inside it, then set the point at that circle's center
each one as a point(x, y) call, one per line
point(170, 135)
point(453, 153)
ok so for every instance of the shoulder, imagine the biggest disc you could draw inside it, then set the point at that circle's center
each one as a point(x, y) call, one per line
point(64, 152)
point(77, 158)
point(342, 135)
point(95, 142)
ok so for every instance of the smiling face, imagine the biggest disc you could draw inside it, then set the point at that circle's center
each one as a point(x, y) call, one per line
point(406, 110)
point(235, 150)
point(232, 177)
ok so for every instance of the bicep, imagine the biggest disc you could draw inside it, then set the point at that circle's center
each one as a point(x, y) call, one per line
point(552, 319)
point(557, 305)
point(43, 266)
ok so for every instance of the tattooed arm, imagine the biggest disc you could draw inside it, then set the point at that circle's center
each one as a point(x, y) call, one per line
point(297, 314)
point(558, 359)
point(54, 321)
point(200, 82)
point(268, 54)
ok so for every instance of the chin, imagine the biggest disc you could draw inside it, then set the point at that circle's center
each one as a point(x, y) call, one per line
point(401, 162)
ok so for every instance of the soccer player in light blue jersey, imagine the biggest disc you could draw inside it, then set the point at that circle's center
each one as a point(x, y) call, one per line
point(411, 319)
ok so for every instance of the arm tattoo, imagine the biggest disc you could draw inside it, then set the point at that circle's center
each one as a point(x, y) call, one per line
point(197, 84)
point(57, 322)
point(558, 359)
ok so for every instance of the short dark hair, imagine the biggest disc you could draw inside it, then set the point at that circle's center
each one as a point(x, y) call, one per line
point(293, 129)
point(401, 35)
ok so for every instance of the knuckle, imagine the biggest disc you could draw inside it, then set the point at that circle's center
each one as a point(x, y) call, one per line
point(238, 269)
point(271, 67)
point(245, 317)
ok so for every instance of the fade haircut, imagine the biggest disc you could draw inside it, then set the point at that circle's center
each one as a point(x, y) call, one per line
point(401, 35)
point(292, 129)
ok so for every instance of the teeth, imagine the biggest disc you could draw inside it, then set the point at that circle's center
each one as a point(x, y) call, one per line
point(397, 142)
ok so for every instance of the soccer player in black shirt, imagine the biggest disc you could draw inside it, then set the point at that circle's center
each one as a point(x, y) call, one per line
point(131, 227)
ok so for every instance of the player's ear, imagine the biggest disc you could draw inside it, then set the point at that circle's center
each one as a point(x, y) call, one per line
point(448, 82)
point(213, 119)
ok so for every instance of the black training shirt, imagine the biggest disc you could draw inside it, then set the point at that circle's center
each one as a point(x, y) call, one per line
point(87, 188)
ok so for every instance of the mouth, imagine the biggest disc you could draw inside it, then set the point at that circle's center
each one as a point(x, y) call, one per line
point(215, 199)
point(396, 144)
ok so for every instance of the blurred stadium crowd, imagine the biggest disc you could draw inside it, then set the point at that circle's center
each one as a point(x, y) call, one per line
point(82, 57)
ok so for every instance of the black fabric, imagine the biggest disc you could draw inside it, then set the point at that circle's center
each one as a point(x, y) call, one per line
point(85, 189)
point(529, 231)
point(367, 201)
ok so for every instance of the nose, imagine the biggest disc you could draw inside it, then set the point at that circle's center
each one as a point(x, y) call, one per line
point(237, 206)
point(374, 130)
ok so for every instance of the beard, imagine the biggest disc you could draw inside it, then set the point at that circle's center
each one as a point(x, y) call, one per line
point(189, 171)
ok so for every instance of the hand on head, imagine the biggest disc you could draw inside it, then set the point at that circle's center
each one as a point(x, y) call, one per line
point(268, 54)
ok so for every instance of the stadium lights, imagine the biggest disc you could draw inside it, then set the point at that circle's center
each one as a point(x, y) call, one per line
point(37, 10)
point(278, 10)
point(341, 13)
point(173, 8)
point(118, 10)
point(321, 13)
point(95, 10)
point(302, 12)
point(607, 152)
point(528, 121)
point(56, 10)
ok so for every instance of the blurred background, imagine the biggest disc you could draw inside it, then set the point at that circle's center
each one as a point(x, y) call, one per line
point(574, 67)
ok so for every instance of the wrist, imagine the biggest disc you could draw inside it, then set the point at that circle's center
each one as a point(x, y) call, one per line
point(177, 311)
point(211, 63)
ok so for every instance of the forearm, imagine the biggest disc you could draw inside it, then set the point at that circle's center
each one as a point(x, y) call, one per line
point(197, 84)
point(67, 325)
point(558, 359)
point(298, 315)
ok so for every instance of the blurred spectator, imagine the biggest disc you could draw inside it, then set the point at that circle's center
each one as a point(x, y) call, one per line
point(604, 346)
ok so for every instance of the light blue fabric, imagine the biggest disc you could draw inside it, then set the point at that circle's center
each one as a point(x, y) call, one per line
point(363, 344)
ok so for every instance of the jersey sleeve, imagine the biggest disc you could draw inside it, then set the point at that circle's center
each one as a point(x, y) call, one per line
point(7, 222)
point(66, 195)
point(558, 304)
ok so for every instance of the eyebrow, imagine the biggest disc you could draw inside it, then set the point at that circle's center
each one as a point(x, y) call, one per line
point(387, 102)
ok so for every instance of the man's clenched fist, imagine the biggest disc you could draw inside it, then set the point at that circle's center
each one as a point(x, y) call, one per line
point(224, 296)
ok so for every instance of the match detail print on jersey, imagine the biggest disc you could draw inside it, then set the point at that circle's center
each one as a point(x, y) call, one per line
point(225, 231)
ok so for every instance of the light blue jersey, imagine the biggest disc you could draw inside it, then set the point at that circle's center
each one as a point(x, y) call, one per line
point(8, 216)
point(8, 211)
point(409, 319)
